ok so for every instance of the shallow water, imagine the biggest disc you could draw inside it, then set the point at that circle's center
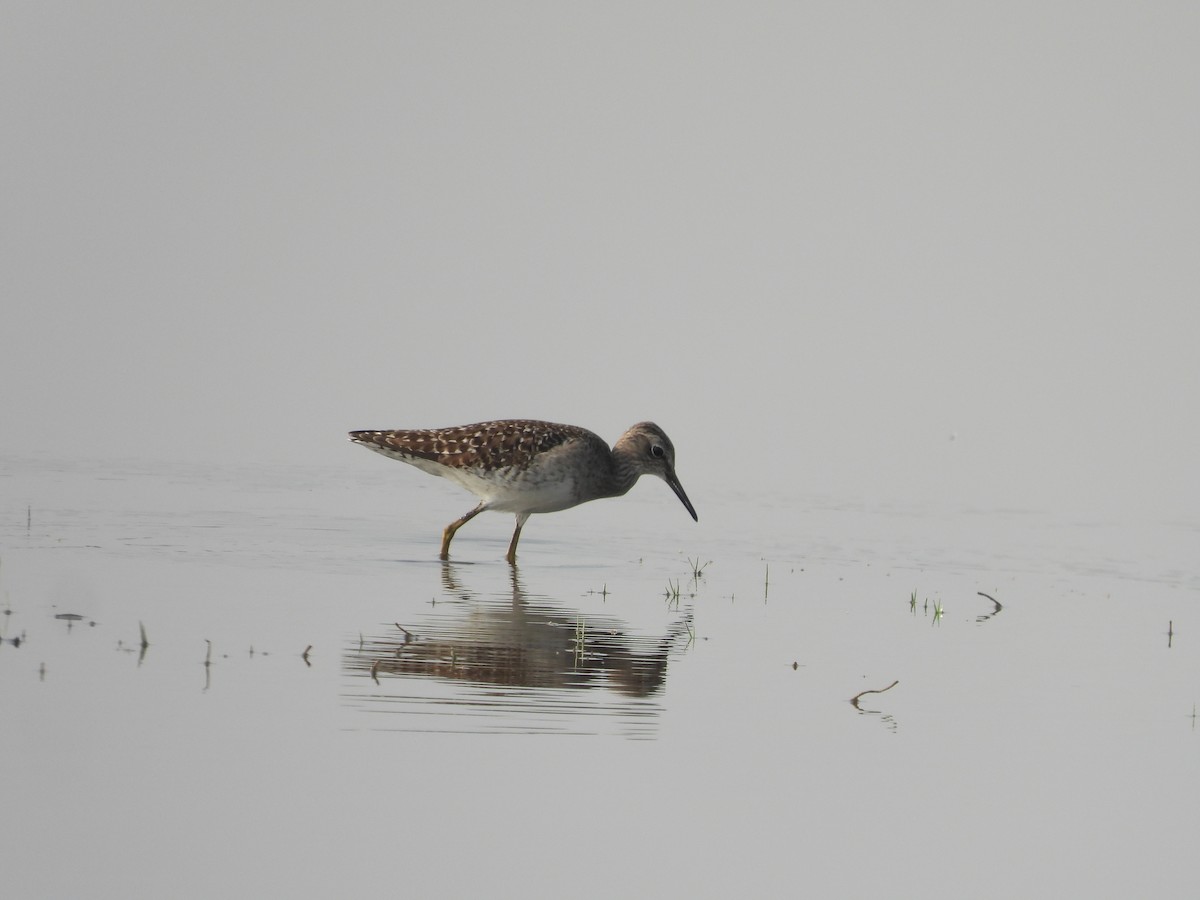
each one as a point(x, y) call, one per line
point(322, 707)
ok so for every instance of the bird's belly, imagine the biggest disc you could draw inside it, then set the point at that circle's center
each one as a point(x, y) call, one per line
point(524, 492)
point(544, 497)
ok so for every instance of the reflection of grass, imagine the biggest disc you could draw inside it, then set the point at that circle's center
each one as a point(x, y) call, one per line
point(580, 639)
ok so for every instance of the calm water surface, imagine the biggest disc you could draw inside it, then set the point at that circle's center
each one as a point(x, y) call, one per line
point(323, 708)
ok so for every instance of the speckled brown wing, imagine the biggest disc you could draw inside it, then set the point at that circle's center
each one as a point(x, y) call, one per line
point(485, 445)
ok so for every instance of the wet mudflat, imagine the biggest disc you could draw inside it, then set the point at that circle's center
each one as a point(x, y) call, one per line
point(262, 681)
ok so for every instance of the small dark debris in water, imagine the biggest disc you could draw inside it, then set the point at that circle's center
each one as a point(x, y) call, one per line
point(42, 672)
point(795, 665)
point(304, 655)
point(72, 618)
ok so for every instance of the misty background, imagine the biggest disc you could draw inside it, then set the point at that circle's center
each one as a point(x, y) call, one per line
point(886, 251)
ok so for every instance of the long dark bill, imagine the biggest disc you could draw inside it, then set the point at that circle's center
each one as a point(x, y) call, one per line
point(681, 494)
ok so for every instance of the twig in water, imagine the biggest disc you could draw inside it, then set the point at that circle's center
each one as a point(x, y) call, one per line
point(145, 644)
point(993, 599)
point(854, 699)
point(304, 655)
point(995, 603)
point(208, 666)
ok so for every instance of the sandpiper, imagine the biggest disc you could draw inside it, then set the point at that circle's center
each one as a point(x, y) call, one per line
point(523, 466)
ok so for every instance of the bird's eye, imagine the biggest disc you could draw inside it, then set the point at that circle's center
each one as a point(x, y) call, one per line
point(657, 451)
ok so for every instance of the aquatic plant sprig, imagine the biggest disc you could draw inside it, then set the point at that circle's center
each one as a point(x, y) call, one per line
point(672, 592)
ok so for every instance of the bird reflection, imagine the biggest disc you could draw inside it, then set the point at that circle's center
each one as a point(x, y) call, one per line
point(517, 642)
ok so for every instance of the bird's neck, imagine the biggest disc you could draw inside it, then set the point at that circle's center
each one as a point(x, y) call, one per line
point(623, 473)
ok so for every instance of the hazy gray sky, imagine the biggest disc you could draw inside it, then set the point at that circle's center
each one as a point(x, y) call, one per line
point(812, 241)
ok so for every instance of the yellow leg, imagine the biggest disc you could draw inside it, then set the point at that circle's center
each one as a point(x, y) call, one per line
point(452, 528)
point(512, 546)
